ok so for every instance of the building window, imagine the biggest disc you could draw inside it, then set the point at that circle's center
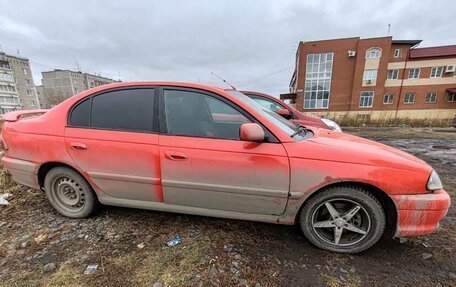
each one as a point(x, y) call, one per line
point(30, 92)
point(27, 81)
point(436, 72)
point(370, 76)
point(366, 99)
point(409, 98)
point(397, 53)
point(451, 97)
point(318, 80)
point(414, 73)
point(24, 71)
point(388, 99)
point(430, 98)
point(373, 53)
point(32, 103)
point(393, 74)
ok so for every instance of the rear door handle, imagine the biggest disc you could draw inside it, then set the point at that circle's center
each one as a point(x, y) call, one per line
point(175, 155)
point(78, 146)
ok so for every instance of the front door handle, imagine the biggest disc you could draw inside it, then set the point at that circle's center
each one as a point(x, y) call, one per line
point(78, 146)
point(175, 155)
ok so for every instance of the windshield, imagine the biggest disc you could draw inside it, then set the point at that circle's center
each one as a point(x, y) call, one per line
point(276, 119)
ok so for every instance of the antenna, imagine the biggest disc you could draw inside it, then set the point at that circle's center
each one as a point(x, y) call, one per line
point(18, 53)
point(224, 81)
point(77, 66)
point(389, 28)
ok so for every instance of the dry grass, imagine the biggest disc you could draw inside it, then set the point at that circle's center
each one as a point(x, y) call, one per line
point(393, 122)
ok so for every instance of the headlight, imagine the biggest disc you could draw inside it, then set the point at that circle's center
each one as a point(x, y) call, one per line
point(434, 182)
point(332, 124)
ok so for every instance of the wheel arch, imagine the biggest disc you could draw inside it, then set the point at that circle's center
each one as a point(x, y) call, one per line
point(385, 200)
point(46, 167)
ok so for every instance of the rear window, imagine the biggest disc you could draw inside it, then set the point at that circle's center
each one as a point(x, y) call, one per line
point(127, 110)
point(80, 116)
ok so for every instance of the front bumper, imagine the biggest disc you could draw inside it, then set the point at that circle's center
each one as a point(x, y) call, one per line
point(23, 172)
point(420, 214)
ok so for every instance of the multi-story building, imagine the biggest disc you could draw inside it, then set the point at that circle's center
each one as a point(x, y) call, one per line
point(376, 78)
point(9, 98)
point(61, 84)
point(42, 97)
point(23, 78)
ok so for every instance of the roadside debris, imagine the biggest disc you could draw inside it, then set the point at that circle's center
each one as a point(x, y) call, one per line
point(49, 267)
point(173, 242)
point(426, 255)
point(140, 245)
point(90, 268)
point(4, 197)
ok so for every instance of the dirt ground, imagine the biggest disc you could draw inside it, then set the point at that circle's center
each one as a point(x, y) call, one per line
point(39, 247)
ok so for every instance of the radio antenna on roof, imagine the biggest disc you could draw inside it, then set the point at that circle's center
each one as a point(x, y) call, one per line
point(224, 81)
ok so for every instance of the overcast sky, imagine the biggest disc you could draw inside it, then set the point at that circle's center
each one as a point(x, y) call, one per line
point(250, 43)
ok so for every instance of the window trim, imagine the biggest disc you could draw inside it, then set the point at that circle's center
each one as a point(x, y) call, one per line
point(417, 77)
point(399, 54)
point(425, 98)
point(414, 98)
point(155, 117)
point(393, 71)
point(360, 95)
point(269, 136)
point(392, 100)
point(373, 48)
point(436, 76)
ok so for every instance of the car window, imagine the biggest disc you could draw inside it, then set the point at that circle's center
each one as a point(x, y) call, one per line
point(200, 115)
point(270, 105)
point(129, 110)
point(80, 116)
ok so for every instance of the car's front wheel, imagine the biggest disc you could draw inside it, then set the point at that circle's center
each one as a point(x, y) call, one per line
point(69, 193)
point(343, 219)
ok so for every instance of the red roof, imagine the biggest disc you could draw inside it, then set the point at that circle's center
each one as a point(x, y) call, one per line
point(440, 51)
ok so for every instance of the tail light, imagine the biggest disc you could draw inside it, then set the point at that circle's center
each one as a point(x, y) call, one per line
point(3, 144)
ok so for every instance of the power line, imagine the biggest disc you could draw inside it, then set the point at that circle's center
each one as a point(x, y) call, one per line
point(258, 79)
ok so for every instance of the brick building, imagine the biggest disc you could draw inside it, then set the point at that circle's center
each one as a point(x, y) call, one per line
point(376, 78)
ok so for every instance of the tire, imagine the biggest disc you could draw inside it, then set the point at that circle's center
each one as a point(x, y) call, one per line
point(327, 223)
point(69, 193)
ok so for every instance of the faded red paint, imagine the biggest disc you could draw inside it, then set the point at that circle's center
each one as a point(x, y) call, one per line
point(239, 179)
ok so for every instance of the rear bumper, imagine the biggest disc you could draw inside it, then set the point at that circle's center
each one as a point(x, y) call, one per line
point(23, 172)
point(420, 213)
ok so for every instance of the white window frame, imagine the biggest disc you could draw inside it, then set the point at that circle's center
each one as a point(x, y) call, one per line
point(388, 96)
point(394, 73)
point(406, 98)
point(417, 76)
point(365, 99)
point(373, 53)
point(430, 102)
point(318, 80)
point(436, 72)
point(370, 75)
point(397, 53)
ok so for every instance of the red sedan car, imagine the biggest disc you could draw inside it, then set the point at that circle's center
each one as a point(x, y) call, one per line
point(196, 149)
point(291, 113)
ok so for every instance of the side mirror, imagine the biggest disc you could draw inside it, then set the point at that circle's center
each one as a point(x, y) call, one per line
point(284, 113)
point(251, 132)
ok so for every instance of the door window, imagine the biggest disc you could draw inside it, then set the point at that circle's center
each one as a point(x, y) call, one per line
point(126, 110)
point(200, 115)
point(270, 105)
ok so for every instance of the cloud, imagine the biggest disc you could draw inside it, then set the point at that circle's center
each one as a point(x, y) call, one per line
point(250, 43)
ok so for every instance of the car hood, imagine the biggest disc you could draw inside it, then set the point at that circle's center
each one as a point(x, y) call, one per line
point(341, 147)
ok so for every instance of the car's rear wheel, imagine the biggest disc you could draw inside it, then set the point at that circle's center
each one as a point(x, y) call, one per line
point(343, 219)
point(69, 193)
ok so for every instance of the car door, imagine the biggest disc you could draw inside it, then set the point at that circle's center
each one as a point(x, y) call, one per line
point(204, 164)
point(112, 138)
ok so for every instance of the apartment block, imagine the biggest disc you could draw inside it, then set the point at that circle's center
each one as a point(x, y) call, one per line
point(23, 79)
point(9, 98)
point(374, 78)
point(59, 85)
